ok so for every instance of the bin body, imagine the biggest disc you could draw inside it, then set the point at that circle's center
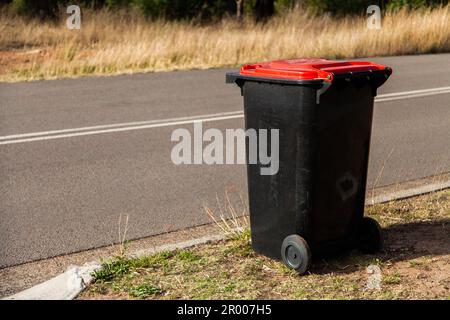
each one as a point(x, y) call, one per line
point(324, 125)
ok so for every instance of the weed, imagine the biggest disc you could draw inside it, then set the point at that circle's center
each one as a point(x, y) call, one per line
point(392, 278)
point(123, 236)
point(111, 269)
point(144, 290)
point(187, 255)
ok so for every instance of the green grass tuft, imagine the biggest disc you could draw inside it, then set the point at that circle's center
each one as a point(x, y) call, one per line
point(144, 290)
point(111, 269)
point(187, 255)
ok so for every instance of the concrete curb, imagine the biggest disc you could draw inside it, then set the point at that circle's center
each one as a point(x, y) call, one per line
point(408, 193)
point(69, 284)
point(66, 286)
point(179, 245)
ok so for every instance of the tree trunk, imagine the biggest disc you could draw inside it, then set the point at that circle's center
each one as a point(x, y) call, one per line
point(239, 10)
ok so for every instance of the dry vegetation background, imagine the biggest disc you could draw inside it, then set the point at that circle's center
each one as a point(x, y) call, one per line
point(124, 42)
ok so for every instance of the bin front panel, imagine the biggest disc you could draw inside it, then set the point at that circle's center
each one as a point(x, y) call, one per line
point(281, 204)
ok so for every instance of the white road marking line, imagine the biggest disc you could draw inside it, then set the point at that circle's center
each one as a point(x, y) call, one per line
point(414, 92)
point(411, 96)
point(116, 125)
point(138, 125)
point(148, 126)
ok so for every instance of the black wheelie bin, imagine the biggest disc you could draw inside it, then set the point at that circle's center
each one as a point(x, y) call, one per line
point(314, 204)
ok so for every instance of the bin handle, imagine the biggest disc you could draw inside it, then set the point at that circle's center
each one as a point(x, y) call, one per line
point(322, 90)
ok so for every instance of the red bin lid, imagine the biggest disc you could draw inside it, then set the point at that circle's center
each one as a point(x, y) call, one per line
point(307, 69)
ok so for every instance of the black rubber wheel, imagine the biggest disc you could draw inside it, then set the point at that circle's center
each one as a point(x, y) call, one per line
point(370, 239)
point(296, 253)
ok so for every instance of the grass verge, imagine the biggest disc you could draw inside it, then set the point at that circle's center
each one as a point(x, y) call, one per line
point(415, 264)
point(124, 42)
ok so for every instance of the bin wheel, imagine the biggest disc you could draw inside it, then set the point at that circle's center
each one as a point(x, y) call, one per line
point(370, 238)
point(296, 253)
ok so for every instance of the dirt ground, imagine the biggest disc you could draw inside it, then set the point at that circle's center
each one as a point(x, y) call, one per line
point(17, 59)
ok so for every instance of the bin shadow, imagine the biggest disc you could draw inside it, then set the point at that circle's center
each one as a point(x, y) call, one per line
point(402, 242)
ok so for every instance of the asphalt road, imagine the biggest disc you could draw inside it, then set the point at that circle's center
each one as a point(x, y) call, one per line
point(65, 194)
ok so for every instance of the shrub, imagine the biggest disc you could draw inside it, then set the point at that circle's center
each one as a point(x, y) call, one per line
point(415, 4)
point(339, 7)
point(36, 8)
point(50, 8)
point(185, 9)
point(209, 9)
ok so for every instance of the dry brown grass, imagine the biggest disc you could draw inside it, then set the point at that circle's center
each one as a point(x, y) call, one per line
point(230, 218)
point(124, 42)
